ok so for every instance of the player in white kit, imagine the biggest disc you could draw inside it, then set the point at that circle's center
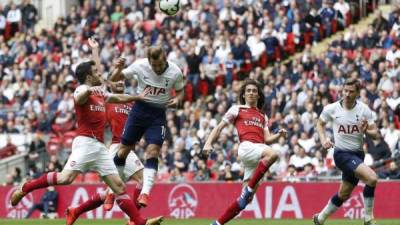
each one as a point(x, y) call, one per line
point(147, 118)
point(351, 120)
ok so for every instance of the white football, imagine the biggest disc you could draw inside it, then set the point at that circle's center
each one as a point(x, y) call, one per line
point(170, 7)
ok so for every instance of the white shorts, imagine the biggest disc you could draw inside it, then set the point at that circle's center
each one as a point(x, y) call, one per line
point(250, 155)
point(133, 163)
point(89, 154)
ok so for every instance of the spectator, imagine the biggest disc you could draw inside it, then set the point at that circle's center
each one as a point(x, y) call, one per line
point(14, 18)
point(29, 16)
point(299, 159)
point(48, 203)
point(8, 150)
point(380, 24)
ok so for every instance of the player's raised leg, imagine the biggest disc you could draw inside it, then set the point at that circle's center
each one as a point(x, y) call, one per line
point(369, 177)
point(47, 179)
point(149, 173)
point(269, 156)
point(334, 203)
point(125, 202)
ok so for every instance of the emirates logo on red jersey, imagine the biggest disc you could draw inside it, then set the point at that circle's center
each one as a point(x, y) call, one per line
point(254, 122)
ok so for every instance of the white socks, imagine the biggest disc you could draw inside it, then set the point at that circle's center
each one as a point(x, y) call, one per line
point(148, 180)
point(329, 209)
point(368, 208)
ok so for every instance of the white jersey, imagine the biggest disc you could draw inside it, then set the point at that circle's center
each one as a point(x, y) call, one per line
point(346, 124)
point(161, 85)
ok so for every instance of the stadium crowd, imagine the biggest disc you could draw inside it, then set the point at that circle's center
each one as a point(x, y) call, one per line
point(217, 44)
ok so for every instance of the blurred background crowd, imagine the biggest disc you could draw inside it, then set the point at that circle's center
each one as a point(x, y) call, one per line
point(217, 43)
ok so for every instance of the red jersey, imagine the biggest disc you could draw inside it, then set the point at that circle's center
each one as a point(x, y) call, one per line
point(91, 116)
point(249, 123)
point(117, 114)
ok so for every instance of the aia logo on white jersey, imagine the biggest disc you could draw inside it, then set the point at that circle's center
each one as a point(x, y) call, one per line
point(182, 201)
point(20, 210)
point(348, 129)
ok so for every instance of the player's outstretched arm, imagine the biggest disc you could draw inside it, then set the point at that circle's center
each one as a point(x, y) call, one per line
point(322, 136)
point(213, 135)
point(173, 102)
point(272, 138)
point(94, 46)
point(124, 98)
point(370, 130)
point(117, 74)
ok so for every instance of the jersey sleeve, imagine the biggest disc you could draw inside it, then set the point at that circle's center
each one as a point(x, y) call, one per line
point(132, 71)
point(370, 116)
point(231, 115)
point(179, 82)
point(326, 114)
point(79, 90)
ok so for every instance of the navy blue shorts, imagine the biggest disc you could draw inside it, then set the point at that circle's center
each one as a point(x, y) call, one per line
point(348, 161)
point(146, 120)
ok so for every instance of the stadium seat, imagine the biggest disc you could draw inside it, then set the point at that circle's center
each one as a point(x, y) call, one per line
point(189, 92)
point(214, 176)
point(290, 44)
point(189, 176)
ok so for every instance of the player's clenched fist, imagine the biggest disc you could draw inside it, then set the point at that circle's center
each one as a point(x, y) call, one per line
point(120, 63)
point(327, 144)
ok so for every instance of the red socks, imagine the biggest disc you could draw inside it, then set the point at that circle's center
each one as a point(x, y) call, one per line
point(258, 174)
point(230, 213)
point(95, 201)
point(47, 179)
point(126, 204)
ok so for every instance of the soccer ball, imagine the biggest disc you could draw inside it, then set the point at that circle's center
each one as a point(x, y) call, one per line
point(169, 7)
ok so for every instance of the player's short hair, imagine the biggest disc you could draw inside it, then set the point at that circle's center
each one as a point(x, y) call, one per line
point(84, 69)
point(261, 99)
point(155, 52)
point(353, 81)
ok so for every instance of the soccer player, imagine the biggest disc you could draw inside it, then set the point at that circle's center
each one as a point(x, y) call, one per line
point(148, 117)
point(351, 119)
point(117, 113)
point(88, 150)
point(251, 125)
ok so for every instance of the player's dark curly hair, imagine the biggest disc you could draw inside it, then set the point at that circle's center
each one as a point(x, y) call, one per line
point(84, 69)
point(261, 99)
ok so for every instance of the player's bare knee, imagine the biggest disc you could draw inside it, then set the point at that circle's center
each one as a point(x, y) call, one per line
point(124, 150)
point(119, 187)
point(271, 157)
point(152, 152)
point(65, 178)
point(372, 180)
point(274, 157)
point(344, 196)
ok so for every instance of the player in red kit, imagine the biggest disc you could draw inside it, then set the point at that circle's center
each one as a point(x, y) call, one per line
point(117, 113)
point(256, 155)
point(88, 150)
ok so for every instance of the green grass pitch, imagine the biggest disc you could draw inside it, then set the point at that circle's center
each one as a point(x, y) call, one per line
point(195, 222)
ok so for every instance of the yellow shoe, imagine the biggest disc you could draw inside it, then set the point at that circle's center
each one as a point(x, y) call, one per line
point(371, 222)
point(155, 220)
point(17, 195)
